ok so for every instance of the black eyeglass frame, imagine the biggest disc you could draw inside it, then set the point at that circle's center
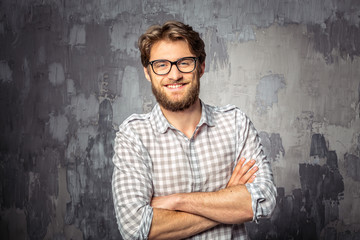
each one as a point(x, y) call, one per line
point(173, 63)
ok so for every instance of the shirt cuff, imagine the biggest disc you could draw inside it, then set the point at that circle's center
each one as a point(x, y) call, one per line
point(146, 222)
point(263, 200)
point(136, 225)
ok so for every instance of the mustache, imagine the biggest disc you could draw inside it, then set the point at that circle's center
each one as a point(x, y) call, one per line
point(175, 82)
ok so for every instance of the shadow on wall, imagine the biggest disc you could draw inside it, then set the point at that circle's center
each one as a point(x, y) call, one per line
point(312, 211)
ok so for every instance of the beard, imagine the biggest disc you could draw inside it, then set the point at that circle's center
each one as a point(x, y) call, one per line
point(191, 96)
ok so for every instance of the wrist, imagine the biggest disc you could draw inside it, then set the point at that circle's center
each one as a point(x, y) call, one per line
point(177, 201)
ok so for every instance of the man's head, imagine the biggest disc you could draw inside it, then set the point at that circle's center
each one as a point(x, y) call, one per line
point(173, 57)
point(173, 31)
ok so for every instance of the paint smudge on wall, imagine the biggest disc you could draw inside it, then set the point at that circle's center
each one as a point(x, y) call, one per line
point(337, 33)
point(77, 35)
point(58, 127)
point(216, 51)
point(309, 212)
point(267, 91)
point(318, 146)
point(56, 74)
point(124, 36)
point(247, 34)
point(89, 181)
point(130, 101)
point(85, 109)
point(272, 144)
point(5, 72)
point(352, 163)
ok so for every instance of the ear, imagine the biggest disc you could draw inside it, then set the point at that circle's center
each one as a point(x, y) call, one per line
point(147, 74)
point(202, 69)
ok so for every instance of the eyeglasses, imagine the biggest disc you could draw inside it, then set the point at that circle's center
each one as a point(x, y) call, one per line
point(184, 65)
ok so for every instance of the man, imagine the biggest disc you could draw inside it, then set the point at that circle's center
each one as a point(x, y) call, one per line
point(187, 169)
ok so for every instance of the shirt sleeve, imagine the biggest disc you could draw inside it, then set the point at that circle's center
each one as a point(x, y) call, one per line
point(262, 190)
point(132, 186)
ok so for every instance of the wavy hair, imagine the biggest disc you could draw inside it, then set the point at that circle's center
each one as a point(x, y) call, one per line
point(174, 31)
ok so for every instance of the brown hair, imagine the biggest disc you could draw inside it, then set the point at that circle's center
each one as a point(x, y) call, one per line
point(173, 31)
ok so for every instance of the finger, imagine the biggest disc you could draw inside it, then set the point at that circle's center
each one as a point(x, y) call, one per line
point(245, 168)
point(240, 171)
point(243, 175)
point(239, 164)
point(251, 179)
point(248, 175)
point(237, 168)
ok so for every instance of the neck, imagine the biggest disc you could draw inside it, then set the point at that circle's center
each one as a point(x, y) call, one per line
point(186, 120)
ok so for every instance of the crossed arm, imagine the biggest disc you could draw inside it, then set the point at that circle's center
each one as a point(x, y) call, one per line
point(183, 215)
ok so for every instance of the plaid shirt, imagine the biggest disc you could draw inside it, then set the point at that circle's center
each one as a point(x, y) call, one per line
point(152, 158)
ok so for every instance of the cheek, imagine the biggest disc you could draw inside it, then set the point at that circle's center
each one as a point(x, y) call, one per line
point(156, 81)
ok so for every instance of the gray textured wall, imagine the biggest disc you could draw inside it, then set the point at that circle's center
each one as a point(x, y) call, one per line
point(70, 73)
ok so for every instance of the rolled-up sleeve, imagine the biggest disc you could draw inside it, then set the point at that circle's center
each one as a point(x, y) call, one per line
point(132, 186)
point(262, 190)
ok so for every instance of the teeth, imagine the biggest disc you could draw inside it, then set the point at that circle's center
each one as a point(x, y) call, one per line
point(174, 86)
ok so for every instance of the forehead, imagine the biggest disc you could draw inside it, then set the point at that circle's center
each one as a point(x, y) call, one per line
point(170, 50)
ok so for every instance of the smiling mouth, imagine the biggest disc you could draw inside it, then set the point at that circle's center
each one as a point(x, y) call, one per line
point(174, 86)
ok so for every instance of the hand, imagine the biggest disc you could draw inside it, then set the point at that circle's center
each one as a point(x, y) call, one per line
point(243, 173)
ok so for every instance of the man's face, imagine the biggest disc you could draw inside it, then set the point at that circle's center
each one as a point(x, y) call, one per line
point(175, 91)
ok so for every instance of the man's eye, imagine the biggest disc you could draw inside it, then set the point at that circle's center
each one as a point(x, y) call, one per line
point(184, 63)
point(160, 64)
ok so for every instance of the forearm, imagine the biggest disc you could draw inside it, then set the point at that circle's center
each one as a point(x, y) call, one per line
point(231, 205)
point(167, 224)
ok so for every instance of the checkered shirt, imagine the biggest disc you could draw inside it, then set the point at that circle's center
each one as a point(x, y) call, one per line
point(152, 158)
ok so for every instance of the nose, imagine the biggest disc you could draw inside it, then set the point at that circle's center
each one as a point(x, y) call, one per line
point(174, 73)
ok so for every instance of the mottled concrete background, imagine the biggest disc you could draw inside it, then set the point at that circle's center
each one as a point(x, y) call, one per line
point(70, 72)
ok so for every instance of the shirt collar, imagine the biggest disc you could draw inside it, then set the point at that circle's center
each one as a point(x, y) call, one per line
point(162, 123)
point(206, 115)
